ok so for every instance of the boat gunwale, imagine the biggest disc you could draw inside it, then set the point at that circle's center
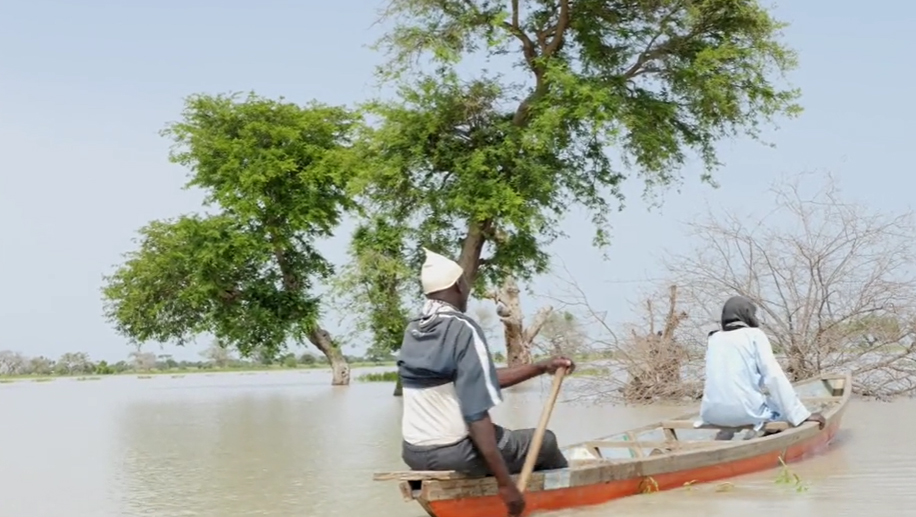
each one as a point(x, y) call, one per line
point(600, 470)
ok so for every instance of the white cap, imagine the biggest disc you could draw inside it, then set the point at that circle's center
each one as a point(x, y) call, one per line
point(438, 272)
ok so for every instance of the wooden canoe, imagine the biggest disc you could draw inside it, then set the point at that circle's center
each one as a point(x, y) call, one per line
point(660, 456)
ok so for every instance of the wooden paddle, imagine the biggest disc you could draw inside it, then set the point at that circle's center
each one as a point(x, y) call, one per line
point(538, 438)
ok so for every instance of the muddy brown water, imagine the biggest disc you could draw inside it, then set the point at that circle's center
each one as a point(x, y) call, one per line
point(287, 444)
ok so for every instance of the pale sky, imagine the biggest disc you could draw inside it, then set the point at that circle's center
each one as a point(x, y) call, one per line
point(85, 86)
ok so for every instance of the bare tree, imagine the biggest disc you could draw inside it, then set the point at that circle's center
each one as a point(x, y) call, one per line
point(218, 355)
point(73, 363)
point(655, 356)
point(562, 334)
point(650, 360)
point(12, 363)
point(519, 337)
point(833, 280)
point(40, 366)
point(143, 361)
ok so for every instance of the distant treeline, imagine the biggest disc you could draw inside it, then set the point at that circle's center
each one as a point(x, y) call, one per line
point(214, 358)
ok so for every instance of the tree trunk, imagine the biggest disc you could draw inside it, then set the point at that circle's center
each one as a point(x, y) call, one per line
point(509, 308)
point(518, 338)
point(669, 351)
point(399, 388)
point(340, 370)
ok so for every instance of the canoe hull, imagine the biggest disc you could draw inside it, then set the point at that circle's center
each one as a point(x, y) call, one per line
point(588, 495)
point(659, 456)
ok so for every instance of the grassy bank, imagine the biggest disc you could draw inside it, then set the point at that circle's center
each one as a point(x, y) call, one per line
point(181, 372)
point(378, 377)
point(392, 376)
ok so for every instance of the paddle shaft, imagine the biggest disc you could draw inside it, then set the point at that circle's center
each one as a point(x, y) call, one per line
point(538, 438)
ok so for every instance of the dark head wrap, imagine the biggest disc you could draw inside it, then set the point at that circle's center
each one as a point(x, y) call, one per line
point(739, 312)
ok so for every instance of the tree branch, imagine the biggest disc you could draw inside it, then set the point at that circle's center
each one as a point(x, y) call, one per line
point(649, 53)
point(531, 332)
point(515, 14)
point(548, 50)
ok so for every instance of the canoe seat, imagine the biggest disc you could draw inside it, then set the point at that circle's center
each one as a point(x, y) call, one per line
point(690, 424)
point(444, 475)
point(418, 475)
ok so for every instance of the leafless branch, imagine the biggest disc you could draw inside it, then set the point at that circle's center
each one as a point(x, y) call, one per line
point(833, 280)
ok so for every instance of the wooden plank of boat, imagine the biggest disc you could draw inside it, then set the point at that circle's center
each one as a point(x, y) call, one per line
point(660, 456)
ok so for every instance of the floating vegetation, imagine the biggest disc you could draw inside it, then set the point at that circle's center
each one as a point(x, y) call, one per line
point(648, 485)
point(144, 376)
point(379, 377)
point(7, 381)
point(177, 376)
point(788, 477)
point(725, 487)
point(88, 378)
point(43, 379)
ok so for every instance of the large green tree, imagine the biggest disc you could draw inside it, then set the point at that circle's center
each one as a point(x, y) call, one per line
point(275, 180)
point(485, 168)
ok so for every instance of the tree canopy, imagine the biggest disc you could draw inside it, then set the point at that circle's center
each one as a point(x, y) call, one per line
point(274, 175)
point(485, 168)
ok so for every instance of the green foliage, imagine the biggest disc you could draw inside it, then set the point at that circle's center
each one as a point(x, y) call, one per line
point(490, 167)
point(374, 284)
point(656, 77)
point(379, 377)
point(289, 361)
point(308, 359)
point(275, 179)
point(447, 156)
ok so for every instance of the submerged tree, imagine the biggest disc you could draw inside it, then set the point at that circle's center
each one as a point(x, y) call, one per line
point(372, 288)
point(275, 177)
point(833, 280)
point(484, 169)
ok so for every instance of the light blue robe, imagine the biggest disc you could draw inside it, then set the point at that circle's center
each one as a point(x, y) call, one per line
point(744, 383)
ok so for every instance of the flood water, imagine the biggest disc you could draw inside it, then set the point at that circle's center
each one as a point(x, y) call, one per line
point(288, 444)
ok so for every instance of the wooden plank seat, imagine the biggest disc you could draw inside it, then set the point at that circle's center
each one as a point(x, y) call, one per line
point(447, 475)
point(671, 444)
point(691, 424)
point(418, 475)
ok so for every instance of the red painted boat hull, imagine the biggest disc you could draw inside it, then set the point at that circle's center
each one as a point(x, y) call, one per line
point(565, 498)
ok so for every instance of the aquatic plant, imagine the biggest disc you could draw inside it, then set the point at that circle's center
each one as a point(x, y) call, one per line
point(648, 485)
point(788, 477)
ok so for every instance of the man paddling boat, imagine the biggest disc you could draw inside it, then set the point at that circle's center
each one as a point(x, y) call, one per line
point(745, 386)
point(450, 385)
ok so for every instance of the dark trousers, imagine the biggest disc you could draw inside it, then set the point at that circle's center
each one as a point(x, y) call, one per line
point(463, 456)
